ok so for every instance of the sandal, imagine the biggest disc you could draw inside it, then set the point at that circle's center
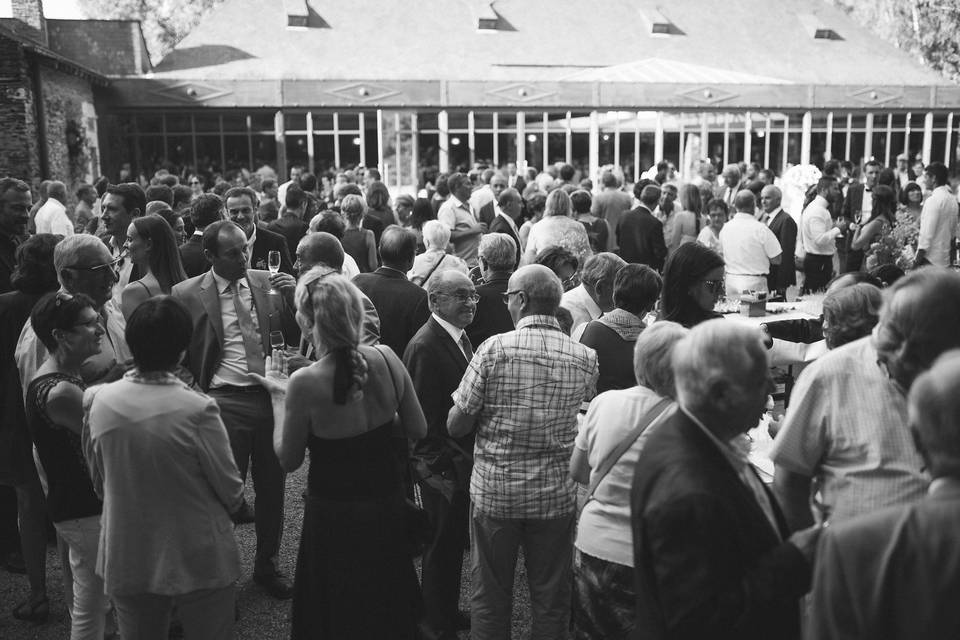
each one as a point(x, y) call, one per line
point(35, 611)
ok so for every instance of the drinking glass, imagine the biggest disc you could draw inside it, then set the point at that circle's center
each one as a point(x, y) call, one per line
point(276, 340)
point(273, 263)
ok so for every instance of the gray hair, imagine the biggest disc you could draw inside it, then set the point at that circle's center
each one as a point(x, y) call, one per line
point(558, 204)
point(69, 250)
point(353, 207)
point(601, 267)
point(499, 251)
point(716, 351)
point(652, 365)
point(850, 313)
point(436, 235)
point(934, 408)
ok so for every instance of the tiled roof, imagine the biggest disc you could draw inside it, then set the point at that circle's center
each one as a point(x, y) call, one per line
point(769, 41)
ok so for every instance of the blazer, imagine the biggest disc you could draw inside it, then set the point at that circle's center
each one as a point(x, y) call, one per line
point(200, 295)
point(486, 214)
point(499, 225)
point(266, 242)
point(640, 238)
point(784, 274)
point(401, 305)
point(708, 562)
point(191, 255)
point(891, 574)
point(853, 202)
point(492, 316)
point(436, 365)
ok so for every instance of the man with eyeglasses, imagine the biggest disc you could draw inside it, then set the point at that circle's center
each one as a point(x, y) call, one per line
point(847, 423)
point(120, 205)
point(436, 358)
point(521, 394)
point(84, 265)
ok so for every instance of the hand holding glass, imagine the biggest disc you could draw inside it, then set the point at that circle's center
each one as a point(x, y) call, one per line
point(273, 263)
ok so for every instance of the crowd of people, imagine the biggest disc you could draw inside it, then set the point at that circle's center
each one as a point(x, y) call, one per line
point(507, 362)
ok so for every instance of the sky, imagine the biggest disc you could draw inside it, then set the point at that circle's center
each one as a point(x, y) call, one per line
point(51, 9)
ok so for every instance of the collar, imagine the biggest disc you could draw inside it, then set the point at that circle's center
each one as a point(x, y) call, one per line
point(625, 324)
point(456, 333)
point(944, 485)
point(588, 302)
point(537, 320)
point(736, 457)
point(457, 203)
point(510, 221)
point(223, 283)
point(395, 273)
point(154, 377)
point(198, 232)
point(773, 214)
point(252, 239)
point(743, 215)
point(821, 202)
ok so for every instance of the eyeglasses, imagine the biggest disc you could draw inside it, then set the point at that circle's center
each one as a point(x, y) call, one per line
point(462, 298)
point(114, 265)
point(714, 285)
point(571, 282)
point(506, 295)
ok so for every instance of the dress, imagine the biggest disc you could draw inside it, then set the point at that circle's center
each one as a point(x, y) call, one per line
point(356, 242)
point(355, 578)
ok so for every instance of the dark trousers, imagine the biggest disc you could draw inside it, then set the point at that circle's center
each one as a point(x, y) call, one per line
point(248, 417)
point(817, 271)
point(443, 560)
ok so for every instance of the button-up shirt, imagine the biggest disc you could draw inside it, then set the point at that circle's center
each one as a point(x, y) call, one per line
point(456, 334)
point(233, 362)
point(52, 218)
point(938, 226)
point(817, 233)
point(458, 216)
point(525, 387)
point(747, 246)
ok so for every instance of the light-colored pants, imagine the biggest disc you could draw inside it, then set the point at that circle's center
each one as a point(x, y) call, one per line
point(548, 554)
point(206, 614)
point(738, 284)
point(90, 604)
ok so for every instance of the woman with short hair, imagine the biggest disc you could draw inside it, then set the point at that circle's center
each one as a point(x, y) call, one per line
point(153, 248)
point(850, 313)
point(160, 457)
point(557, 228)
point(436, 237)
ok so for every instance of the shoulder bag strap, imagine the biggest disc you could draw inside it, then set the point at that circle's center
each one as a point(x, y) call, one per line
point(422, 284)
point(658, 411)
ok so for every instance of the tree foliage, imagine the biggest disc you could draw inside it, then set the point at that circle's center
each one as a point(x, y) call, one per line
point(165, 22)
point(928, 29)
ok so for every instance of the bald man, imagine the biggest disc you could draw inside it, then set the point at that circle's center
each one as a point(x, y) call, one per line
point(436, 358)
point(784, 228)
point(521, 493)
point(748, 248)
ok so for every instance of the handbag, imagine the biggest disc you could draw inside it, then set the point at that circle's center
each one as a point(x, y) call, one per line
point(654, 415)
point(418, 530)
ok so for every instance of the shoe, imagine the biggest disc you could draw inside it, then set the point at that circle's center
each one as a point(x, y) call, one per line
point(37, 611)
point(276, 585)
point(462, 620)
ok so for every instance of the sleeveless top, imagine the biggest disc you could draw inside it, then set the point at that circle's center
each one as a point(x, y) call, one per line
point(70, 492)
point(361, 467)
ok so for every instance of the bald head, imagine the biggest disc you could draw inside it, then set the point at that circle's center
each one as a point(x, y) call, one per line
point(450, 294)
point(745, 202)
point(770, 198)
point(319, 248)
point(541, 290)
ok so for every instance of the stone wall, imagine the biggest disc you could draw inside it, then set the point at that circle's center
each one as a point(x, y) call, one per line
point(19, 150)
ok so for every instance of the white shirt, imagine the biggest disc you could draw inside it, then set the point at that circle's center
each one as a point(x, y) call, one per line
point(481, 197)
point(456, 334)
point(349, 268)
point(866, 209)
point(580, 305)
point(459, 216)
point(938, 226)
point(817, 233)
point(52, 218)
point(748, 245)
point(233, 362)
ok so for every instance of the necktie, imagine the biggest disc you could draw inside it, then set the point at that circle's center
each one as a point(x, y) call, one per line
point(466, 347)
point(251, 338)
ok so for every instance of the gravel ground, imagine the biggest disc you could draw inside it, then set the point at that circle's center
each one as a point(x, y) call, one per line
point(261, 617)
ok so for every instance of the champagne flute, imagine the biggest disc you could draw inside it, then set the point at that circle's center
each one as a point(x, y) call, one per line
point(277, 340)
point(273, 263)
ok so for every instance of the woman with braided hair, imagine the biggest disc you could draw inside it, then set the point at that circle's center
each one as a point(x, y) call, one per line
point(355, 577)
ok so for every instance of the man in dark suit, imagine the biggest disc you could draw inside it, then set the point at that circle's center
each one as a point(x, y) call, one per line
point(497, 185)
point(857, 207)
point(401, 305)
point(895, 573)
point(505, 221)
point(204, 211)
point(436, 358)
point(781, 275)
point(241, 206)
point(234, 310)
point(709, 553)
point(15, 203)
point(497, 263)
point(640, 234)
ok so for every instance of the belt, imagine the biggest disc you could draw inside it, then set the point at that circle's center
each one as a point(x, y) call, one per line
point(236, 388)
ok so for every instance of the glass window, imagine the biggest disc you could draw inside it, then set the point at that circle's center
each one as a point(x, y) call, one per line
point(236, 122)
point(150, 123)
point(294, 121)
point(349, 121)
point(178, 123)
point(207, 122)
point(264, 151)
point(180, 150)
point(151, 154)
point(427, 122)
point(483, 148)
point(557, 147)
point(349, 150)
point(482, 120)
point(429, 147)
point(322, 121)
point(296, 149)
point(506, 122)
point(459, 153)
point(208, 153)
point(237, 149)
point(457, 120)
point(507, 148)
point(262, 121)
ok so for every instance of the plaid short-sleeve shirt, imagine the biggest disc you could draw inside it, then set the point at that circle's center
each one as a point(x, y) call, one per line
point(526, 387)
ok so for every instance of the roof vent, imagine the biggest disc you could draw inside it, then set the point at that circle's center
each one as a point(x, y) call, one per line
point(817, 28)
point(486, 17)
point(300, 15)
point(658, 24)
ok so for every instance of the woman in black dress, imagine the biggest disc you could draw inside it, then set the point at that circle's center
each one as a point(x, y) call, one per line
point(355, 576)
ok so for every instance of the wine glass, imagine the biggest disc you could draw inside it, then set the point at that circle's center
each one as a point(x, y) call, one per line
point(277, 341)
point(273, 263)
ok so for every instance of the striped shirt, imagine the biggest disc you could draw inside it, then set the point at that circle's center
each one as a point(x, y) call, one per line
point(525, 387)
point(847, 427)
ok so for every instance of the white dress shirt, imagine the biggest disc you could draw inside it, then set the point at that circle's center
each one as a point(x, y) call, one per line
point(580, 305)
point(866, 209)
point(52, 218)
point(456, 334)
point(748, 245)
point(938, 226)
point(817, 233)
point(233, 361)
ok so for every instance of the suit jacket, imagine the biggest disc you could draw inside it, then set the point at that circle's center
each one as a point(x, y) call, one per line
point(640, 238)
point(401, 305)
point(486, 214)
point(708, 561)
point(200, 295)
point(191, 255)
point(266, 242)
point(892, 574)
point(853, 202)
point(492, 316)
point(499, 225)
point(8, 261)
point(436, 365)
point(784, 274)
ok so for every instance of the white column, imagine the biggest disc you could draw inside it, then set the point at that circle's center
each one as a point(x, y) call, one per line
point(594, 154)
point(658, 138)
point(636, 150)
point(280, 139)
point(704, 138)
point(568, 142)
point(829, 149)
point(616, 140)
point(471, 138)
point(521, 140)
point(363, 139)
point(868, 138)
point(806, 132)
point(414, 150)
point(726, 139)
point(496, 139)
point(846, 154)
point(927, 137)
point(906, 135)
point(310, 166)
point(380, 159)
point(336, 139)
point(546, 138)
point(947, 151)
point(681, 153)
point(767, 130)
point(786, 139)
point(886, 151)
point(444, 154)
point(747, 137)
point(397, 142)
